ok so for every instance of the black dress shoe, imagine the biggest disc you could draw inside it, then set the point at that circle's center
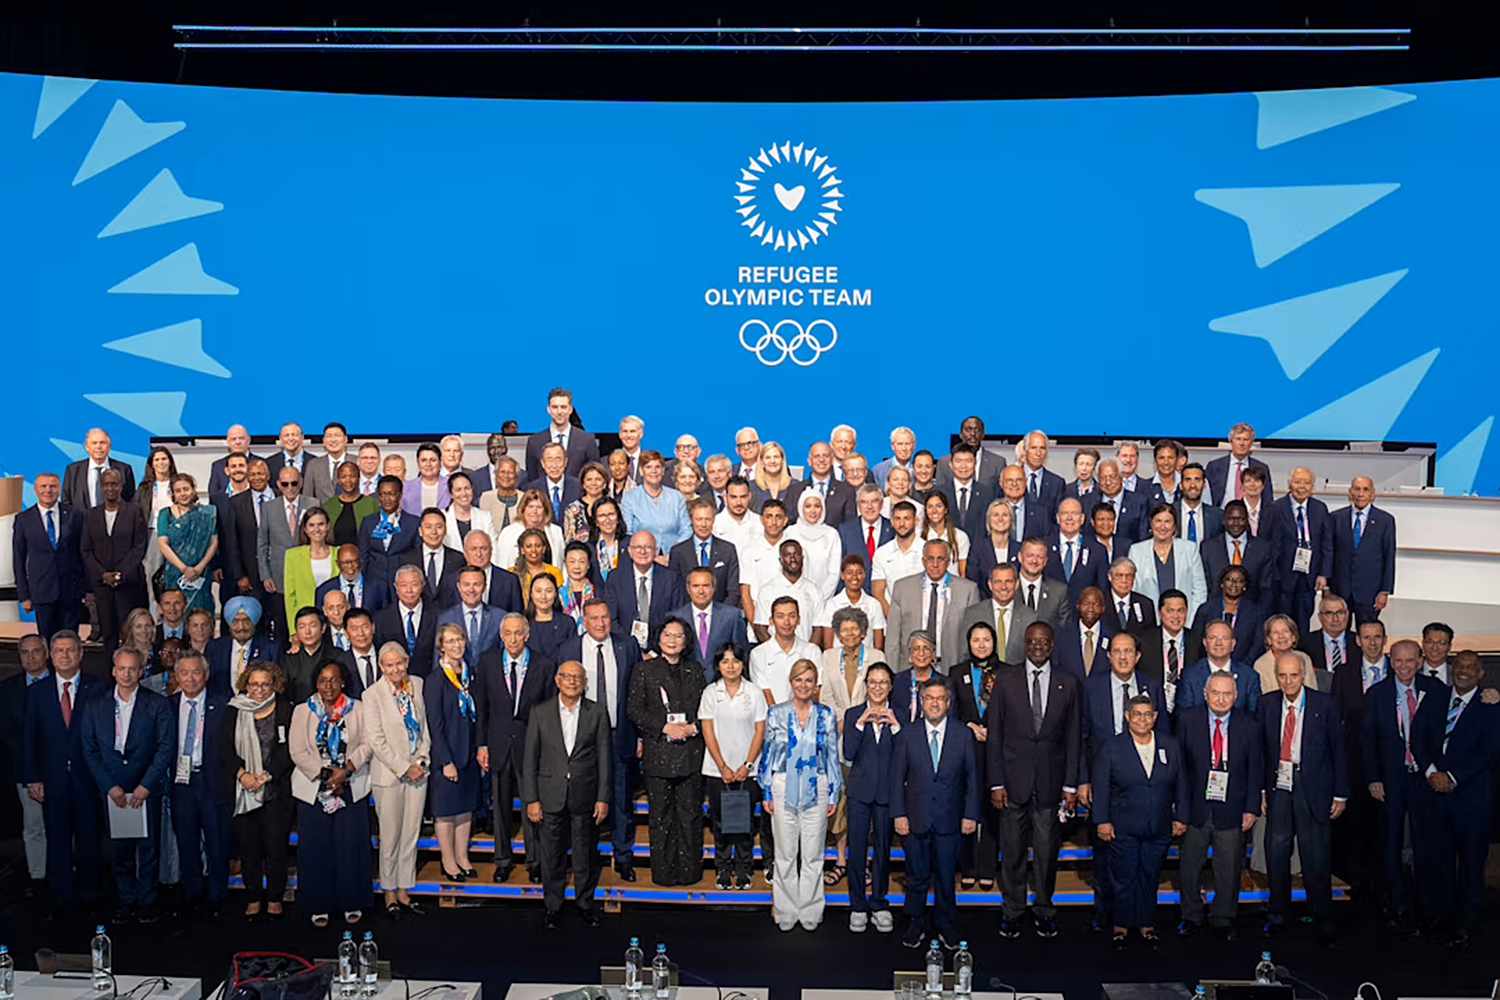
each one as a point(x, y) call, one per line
point(1009, 929)
point(550, 921)
point(914, 937)
point(414, 908)
point(457, 876)
point(1188, 928)
point(502, 873)
point(1459, 939)
point(1097, 924)
point(1120, 941)
point(1046, 927)
point(591, 917)
point(468, 873)
point(1225, 933)
point(534, 876)
point(1272, 927)
point(625, 870)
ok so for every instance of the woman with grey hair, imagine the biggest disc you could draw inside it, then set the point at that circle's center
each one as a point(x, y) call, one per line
point(401, 748)
point(842, 684)
point(906, 690)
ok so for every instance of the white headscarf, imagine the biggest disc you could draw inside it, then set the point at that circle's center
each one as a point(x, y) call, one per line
point(821, 547)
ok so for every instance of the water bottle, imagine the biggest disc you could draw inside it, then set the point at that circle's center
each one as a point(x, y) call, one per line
point(661, 974)
point(7, 974)
point(369, 966)
point(1200, 992)
point(348, 961)
point(934, 969)
point(1265, 969)
point(963, 971)
point(103, 955)
point(634, 959)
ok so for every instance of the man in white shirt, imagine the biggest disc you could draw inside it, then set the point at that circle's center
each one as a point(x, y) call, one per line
point(368, 461)
point(632, 430)
point(1196, 519)
point(1002, 612)
point(321, 476)
point(1375, 665)
point(736, 522)
point(335, 606)
point(747, 446)
point(1128, 454)
point(199, 822)
point(359, 627)
point(898, 558)
point(760, 557)
point(291, 453)
point(844, 440)
point(853, 595)
point(771, 662)
point(717, 472)
point(1437, 640)
point(903, 446)
point(789, 582)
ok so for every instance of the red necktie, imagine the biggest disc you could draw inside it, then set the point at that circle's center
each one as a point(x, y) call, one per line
point(1288, 733)
point(870, 543)
point(1218, 744)
point(67, 705)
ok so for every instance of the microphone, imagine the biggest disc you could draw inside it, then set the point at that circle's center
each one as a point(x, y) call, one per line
point(1284, 973)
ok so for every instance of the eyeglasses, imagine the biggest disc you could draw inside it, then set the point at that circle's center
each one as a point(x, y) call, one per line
point(289, 482)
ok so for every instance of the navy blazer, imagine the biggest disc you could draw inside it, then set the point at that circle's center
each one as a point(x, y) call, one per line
point(1382, 747)
point(723, 559)
point(122, 550)
point(1140, 611)
point(582, 448)
point(1470, 754)
point(1090, 564)
point(1359, 574)
point(1067, 650)
point(150, 745)
point(454, 738)
point(571, 490)
point(1099, 710)
point(489, 631)
point(935, 801)
point(240, 536)
point(869, 760)
point(374, 595)
point(502, 721)
point(1255, 559)
point(1210, 520)
point(838, 502)
point(380, 561)
point(1035, 764)
point(1137, 805)
point(1130, 516)
point(1248, 624)
point(725, 624)
point(218, 474)
point(1283, 529)
point(627, 655)
point(75, 484)
point(449, 566)
point(980, 495)
point(1051, 489)
point(667, 592)
point(1246, 688)
point(852, 542)
point(982, 559)
point(505, 591)
point(216, 716)
point(549, 637)
point(1245, 767)
point(1216, 472)
point(390, 626)
point(44, 574)
point(51, 751)
point(903, 694)
point(219, 651)
point(1324, 771)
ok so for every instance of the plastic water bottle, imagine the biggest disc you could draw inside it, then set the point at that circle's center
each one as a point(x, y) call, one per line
point(103, 955)
point(661, 974)
point(1265, 969)
point(369, 966)
point(934, 969)
point(7, 974)
point(1200, 992)
point(963, 971)
point(634, 959)
point(348, 962)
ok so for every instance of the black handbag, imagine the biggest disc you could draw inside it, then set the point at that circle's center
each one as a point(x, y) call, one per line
point(276, 975)
point(734, 811)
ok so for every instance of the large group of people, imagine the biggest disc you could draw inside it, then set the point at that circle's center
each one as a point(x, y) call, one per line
point(967, 653)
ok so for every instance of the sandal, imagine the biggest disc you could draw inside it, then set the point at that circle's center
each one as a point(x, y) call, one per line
point(835, 875)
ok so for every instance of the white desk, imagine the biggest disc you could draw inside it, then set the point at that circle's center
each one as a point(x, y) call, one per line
point(35, 986)
point(887, 995)
point(396, 989)
point(537, 991)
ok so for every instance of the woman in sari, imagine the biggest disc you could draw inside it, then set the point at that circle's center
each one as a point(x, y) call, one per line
point(187, 536)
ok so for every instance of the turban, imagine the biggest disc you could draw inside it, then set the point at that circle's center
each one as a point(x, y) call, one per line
point(247, 606)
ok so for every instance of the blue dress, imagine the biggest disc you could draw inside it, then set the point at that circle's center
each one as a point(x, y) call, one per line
point(454, 726)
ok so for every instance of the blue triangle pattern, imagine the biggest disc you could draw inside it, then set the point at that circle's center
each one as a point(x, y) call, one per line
point(178, 273)
point(1369, 412)
point(158, 203)
point(59, 93)
point(123, 135)
point(180, 345)
point(1458, 467)
point(1281, 219)
point(1286, 115)
point(157, 412)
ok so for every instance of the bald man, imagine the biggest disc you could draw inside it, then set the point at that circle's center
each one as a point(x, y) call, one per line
point(1302, 532)
point(236, 442)
point(81, 490)
point(1364, 552)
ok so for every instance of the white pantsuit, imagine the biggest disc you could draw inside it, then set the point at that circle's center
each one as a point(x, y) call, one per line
point(797, 893)
point(398, 803)
point(33, 834)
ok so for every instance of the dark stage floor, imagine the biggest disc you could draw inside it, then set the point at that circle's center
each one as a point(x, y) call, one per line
point(501, 943)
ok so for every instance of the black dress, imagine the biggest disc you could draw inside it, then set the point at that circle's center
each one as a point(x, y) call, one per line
point(672, 770)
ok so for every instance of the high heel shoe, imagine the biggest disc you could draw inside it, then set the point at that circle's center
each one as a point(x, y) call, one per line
point(457, 876)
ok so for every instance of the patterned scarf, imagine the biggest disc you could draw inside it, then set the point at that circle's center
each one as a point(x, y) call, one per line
point(408, 707)
point(460, 681)
point(331, 740)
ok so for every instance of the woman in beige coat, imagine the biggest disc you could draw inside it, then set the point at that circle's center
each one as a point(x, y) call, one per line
point(400, 746)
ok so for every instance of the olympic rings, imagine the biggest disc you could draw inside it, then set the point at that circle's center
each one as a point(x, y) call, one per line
point(786, 350)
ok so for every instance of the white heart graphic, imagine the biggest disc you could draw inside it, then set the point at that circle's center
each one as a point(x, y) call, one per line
point(790, 198)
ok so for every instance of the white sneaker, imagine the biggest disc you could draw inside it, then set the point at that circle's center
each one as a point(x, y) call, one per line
point(858, 921)
point(884, 922)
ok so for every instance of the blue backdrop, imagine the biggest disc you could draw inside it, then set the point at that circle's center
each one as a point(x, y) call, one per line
point(179, 258)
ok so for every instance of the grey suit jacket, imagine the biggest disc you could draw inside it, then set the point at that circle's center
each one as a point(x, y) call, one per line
point(906, 617)
point(557, 779)
point(1015, 635)
point(272, 539)
point(317, 482)
point(1052, 604)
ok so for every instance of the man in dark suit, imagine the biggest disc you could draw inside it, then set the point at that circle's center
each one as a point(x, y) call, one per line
point(987, 464)
point(1303, 542)
point(289, 452)
point(1044, 488)
point(502, 589)
point(128, 737)
point(201, 800)
point(82, 487)
point(710, 623)
point(868, 530)
point(56, 774)
point(1197, 519)
point(968, 496)
point(704, 549)
point(439, 564)
point(1219, 646)
point(410, 620)
point(31, 650)
point(1083, 648)
point(49, 573)
point(1125, 610)
point(229, 655)
point(1035, 751)
point(1028, 518)
point(935, 802)
point(479, 621)
point(1101, 529)
point(1356, 849)
point(483, 478)
point(838, 496)
point(661, 586)
point(579, 444)
point(1071, 557)
point(1224, 472)
point(1364, 551)
point(363, 591)
point(511, 681)
point(1394, 769)
point(565, 783)
point(387, 534)
point(1335, 644)
point(1224, 760)
point(311, 651)
point(236, 442)
point(1463, 744)
point(1129, 507)
point(1169, 649)
point(1235, 546)
point(553, 482)
point(113, 545)
point(241, 563)
point(608, 661)
point(1307, 785)
point(1166, 485)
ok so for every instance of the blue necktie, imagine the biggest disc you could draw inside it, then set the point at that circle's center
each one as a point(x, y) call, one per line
point(1192, 534)
point(191, 735)
point(411, 633)
point(474, 630)
point(1301, 527)
point(1454, 711)
point(1068, 563)
point(52, 528)
point(556, 499)
point(936, 749)
point(702, 553)
point(1035, 491)
point(1359, 526)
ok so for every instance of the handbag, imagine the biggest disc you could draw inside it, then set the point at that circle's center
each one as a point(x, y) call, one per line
point(734, 811)
point(275, 975)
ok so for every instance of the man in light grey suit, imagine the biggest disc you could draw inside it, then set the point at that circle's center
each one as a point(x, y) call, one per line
point(565, 783)
point(480, 621)
point(1006, 615)
point(1047, 597)
point(933, 600)
point(279, 529)
point(320, 473)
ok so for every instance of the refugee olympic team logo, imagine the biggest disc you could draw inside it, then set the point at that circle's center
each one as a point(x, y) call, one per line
point(788, 196)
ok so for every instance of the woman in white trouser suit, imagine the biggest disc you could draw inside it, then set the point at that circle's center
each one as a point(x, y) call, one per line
point(802, 781)
point(401, 748)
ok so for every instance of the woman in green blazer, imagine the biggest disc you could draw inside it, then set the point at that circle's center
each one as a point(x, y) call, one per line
point(309, 564)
